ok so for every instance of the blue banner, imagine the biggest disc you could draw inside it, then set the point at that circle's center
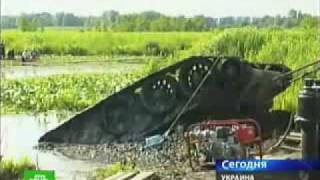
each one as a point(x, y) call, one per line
point(266, 165)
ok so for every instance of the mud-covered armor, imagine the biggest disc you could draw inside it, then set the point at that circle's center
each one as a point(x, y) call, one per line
point(235, 88)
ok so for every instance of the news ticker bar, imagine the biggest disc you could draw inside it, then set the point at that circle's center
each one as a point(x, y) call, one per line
point(267, 165)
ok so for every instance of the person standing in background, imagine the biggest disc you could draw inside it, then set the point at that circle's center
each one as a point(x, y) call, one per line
point(11, 54)
point(2, 51)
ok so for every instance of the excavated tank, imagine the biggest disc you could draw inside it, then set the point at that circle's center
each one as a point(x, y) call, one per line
point(234, 88)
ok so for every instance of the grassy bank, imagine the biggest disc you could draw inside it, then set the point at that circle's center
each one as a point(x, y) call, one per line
point(293, 47)
point(102, 43)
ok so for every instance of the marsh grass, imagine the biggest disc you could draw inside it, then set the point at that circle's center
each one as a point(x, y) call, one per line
point(11, 169)
point(102, 43)
point(60, 92)
point(102, 173)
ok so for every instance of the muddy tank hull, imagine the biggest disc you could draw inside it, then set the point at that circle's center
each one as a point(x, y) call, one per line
point(235, 88)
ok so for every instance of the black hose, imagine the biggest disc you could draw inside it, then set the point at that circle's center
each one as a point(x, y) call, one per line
point(283, 137)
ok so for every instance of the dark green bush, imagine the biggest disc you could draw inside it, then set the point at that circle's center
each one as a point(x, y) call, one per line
point(76, 51)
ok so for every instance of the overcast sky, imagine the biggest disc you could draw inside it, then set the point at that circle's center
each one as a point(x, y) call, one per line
point(213, 8)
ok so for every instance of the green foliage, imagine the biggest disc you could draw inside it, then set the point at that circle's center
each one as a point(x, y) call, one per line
point(154, 22)
point(102, 173)
point(13, 169)
point(153, 66)
point(75, 50)
point(293, 47)
point(152, 48)
point(238, 42)
point(60, 92)
point(101, 43)
point(310, 22)
point(25, 24)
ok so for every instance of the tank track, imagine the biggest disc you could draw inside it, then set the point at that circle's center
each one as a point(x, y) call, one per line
point(234, 88)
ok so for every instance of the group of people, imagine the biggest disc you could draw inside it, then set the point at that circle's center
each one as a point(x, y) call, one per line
point(26, 55)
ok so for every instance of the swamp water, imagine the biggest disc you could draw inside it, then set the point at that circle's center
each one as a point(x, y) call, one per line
point(20, 134)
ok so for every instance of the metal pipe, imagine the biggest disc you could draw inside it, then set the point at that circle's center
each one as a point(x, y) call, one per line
point(307, 119)
point(297, 70)
point(305, 74)
point(317, 106)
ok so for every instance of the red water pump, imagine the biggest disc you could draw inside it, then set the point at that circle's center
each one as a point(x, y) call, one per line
point(223, 139)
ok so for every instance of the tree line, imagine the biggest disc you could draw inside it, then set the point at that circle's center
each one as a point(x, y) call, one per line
point(152, 21)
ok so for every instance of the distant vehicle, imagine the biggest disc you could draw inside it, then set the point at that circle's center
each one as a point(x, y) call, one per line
point(29, 56)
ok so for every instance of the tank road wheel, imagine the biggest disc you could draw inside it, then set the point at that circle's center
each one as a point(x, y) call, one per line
point(230, 70)
point(159, 95)
point(117, 114)
point(192, 73)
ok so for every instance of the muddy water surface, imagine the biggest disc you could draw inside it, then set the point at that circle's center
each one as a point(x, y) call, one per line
point(20, 134)
point(34, 70)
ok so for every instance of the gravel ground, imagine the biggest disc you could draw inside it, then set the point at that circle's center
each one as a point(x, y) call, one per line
point(169, 159)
